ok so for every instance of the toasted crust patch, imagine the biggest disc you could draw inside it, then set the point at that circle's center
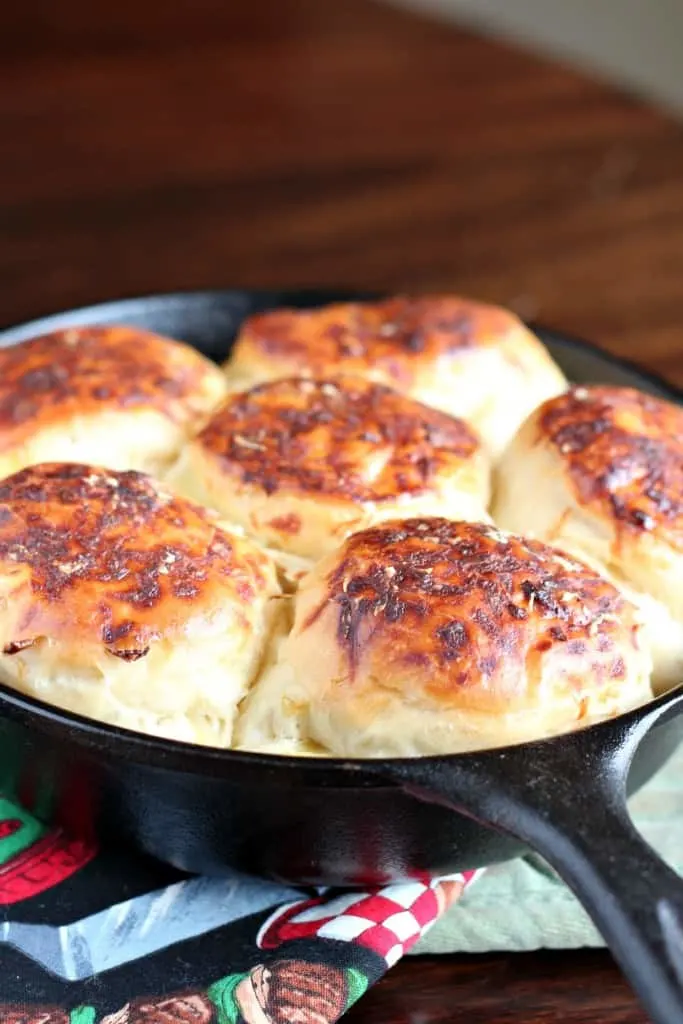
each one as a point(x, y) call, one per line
point(84, 370)
point(299, 463)
point(348, 438)
point(462, 602)
point(624, 452)
point(429, 636)
point(107, 558)
point(387, 336)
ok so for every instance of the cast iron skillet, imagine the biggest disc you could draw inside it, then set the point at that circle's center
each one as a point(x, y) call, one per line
point(356, 822)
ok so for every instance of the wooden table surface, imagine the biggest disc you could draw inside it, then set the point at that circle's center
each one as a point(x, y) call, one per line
point(193, 143)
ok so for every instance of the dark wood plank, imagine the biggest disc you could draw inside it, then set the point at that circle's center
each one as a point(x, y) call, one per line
point(192, 143)
point(581, 987)
point(151, 146)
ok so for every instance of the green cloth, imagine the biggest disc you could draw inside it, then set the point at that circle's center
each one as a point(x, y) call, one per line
point(222, 995)
point(82, 1015)
point(357, 983)
point(522, 905)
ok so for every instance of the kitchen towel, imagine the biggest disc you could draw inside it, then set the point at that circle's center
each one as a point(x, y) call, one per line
point(105, 937)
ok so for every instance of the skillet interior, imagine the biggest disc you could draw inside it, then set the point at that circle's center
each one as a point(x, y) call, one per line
point(202, 810)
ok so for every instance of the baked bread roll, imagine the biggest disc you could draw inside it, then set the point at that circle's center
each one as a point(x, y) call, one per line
point(471, 360)
point(599, 472)
point(123, 603)
point(427, 636)
point(117, 396)
point(301, 463)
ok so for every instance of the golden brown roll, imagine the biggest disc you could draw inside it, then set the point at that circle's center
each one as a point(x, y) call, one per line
point(123, 603)
point(426, 636)
point(117, 396)
point(468, 359)
point(599, 471)
point(301, 463)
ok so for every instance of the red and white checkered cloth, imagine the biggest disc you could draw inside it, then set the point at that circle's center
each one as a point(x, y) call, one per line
point(388, 921)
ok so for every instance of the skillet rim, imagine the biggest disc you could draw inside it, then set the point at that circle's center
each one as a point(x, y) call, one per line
point(151, 751)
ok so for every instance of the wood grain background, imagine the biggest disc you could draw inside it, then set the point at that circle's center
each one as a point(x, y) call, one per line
point(153, 146)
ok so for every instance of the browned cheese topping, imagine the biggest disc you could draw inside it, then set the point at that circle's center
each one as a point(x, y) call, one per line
point(624, 452)
point(465, 600)
point(348, 438)
point(78, 370)
point(108, 554)
point(388, 336)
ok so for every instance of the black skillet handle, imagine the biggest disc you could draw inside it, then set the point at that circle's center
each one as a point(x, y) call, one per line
point(566, 798)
